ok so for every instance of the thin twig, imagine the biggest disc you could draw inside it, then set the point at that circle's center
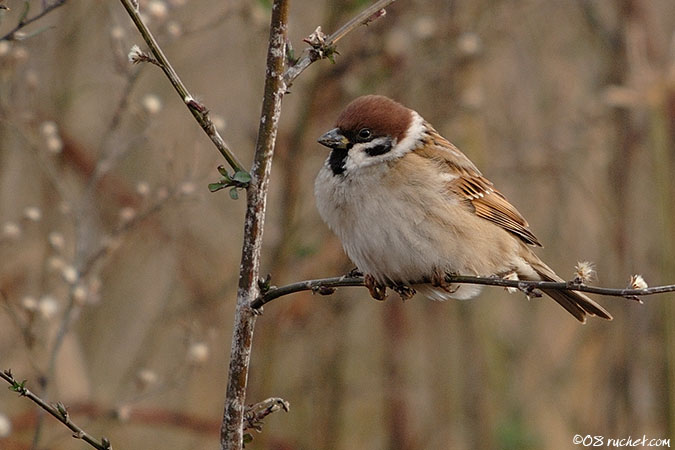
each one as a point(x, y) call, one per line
point(311, 54)
point(231, 432)
point(10, 36)
point(328, 285)
point(58, 411)
point(255, 414)
point(198, 110)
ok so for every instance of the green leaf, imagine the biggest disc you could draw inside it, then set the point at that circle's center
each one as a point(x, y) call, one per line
point(248, 438)
point(18, 387)
point(223, 172)
point(234, 195)
point(215, 187)
point(242, 177)
point(61, 408)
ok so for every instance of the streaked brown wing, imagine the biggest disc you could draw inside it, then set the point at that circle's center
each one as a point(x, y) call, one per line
point(487, 202)
point(490, 204)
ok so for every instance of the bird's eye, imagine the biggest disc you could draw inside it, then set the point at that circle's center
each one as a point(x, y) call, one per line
point(365, 134)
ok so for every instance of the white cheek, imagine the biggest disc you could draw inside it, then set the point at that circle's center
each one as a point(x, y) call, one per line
point(358, 158)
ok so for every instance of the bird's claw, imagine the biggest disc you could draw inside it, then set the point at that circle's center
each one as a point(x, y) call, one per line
point(438, 280)
point(403, 291)
point(377, 290)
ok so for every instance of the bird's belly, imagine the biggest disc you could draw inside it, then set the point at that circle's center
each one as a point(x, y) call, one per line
point(395, 235)
point(383, 231)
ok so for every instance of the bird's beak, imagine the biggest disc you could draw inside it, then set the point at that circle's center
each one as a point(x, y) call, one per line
point(334, 139)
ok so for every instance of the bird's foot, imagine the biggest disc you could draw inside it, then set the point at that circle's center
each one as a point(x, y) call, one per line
point(438, 280)
point(355, 272)
point(403, 291)
point(377, 290)
point(513, 276)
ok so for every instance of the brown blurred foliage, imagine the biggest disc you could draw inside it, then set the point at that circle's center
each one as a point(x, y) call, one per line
point(569, 107)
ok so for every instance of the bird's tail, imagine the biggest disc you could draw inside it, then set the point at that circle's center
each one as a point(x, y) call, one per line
point(576, 303)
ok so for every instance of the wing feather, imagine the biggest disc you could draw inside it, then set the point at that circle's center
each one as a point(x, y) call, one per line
point(470, 185)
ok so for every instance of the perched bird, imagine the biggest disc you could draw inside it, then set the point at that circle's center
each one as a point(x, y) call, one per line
point(411, 208)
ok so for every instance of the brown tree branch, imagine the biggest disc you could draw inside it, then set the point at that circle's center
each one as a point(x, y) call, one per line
point(231, 434)
point(24, 21)
point(58, 411)
point(326, 286)
point(198, 110)
point(326, 47)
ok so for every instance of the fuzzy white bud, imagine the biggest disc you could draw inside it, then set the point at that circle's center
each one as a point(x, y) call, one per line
point(198, 353)
point(123, 413)
point(584, 272)
point(158, 10)
point(151, 104)
point(117, 33)
point(637, 282)
point(57, 241)
point(54, 145)
point(80, 294)
point(469, 43)
point(127, 214)
point(143, 188)
point(69, 274)
point(146, 378)
point(48, 307)
point(174, 29)
point(5, 426)
point(29, 303)
point(49, 128)
point(32, 213)
point(135, 54)
point(11, 230)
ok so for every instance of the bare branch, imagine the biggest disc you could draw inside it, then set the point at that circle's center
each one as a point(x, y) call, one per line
point(327, 286)
point(198, 110)
point(59, 411)
point(11, 35)
point(327, 47)
point(231, 433)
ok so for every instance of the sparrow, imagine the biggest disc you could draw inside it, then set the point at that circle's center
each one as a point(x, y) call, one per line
point(410, 208)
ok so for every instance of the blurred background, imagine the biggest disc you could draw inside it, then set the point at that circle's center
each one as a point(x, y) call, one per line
point(118, 268)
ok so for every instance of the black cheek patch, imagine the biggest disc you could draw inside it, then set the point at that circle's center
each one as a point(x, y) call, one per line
point(337, 160)
point(378, 149)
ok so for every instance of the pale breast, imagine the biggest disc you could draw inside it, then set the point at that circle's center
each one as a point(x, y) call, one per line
point(384, 227)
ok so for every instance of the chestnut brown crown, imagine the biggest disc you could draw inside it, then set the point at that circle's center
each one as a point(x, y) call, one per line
point(379, 114)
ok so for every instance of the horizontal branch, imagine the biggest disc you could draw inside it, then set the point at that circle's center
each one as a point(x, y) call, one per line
point(326, 286)
point(327, 47)
point(58, 411)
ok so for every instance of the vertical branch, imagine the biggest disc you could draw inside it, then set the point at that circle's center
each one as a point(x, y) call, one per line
point(231, 433)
